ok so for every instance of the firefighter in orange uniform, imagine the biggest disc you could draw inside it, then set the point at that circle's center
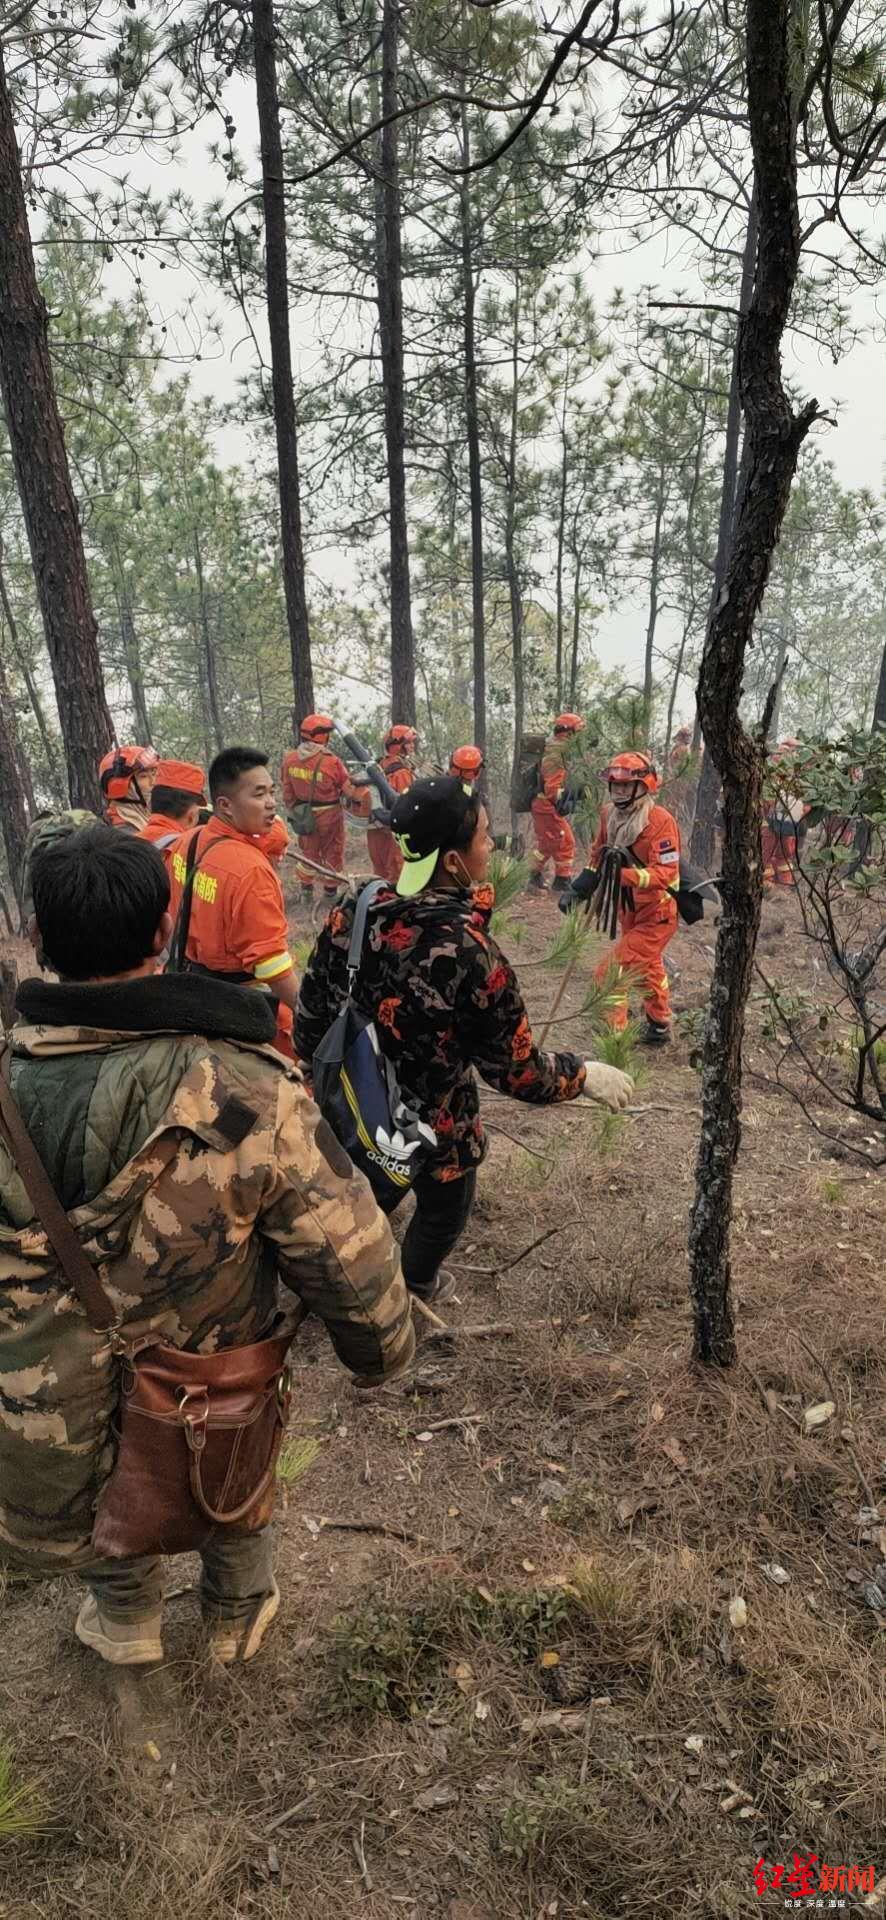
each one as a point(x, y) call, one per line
point(782, 815)
point(178, 795)
point(554, 838)
point(126, 777)
point(316, 786)
point(237, 929)
point(468, 763)
point(647, 840)
point(398, 766)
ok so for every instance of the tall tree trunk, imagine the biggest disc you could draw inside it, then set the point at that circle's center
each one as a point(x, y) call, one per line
point(774, 435)
point(210, 671)
point(472, 431)
point(132, 654)
point(652, 618)
point(53, 770)
point(576, 627)
point(561, 537)
point(37, 442)
point(277, 298)
point(13, 816)
point(389, 284)
point(879, 721)
point(703, 845)
point(515, 595)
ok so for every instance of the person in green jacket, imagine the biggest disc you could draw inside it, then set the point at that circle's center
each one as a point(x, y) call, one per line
point(197, 1172)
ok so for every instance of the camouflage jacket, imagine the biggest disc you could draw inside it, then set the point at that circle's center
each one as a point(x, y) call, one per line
point(197, 1172)
point(445, 1001)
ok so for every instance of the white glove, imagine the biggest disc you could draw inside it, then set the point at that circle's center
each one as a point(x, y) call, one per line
point(607, 1084)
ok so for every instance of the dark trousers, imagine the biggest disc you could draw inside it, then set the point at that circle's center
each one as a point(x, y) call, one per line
point(442, 1210)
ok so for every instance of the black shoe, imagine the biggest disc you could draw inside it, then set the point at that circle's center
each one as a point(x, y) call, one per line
point(535, 883)
point(560, 883)
point(656, 1033)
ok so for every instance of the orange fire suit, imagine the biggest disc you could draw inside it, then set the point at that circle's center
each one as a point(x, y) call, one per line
point(554, 838)
point(238, 929)
point(163, 833)
point(382, 848)
point(314, 775)
point(650, 921)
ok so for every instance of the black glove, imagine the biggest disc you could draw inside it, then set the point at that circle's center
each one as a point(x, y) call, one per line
point(566, 803)
point(579, 891)
point(380, 816)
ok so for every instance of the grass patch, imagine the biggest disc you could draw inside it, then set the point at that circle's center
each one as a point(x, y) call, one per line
point(22, 1809)
point(295, 1457)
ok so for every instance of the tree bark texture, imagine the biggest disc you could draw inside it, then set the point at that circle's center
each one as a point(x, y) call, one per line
point(133, 661)
point(53, 770)
point(389, 284)
point(210, 669)
point(773, 437)
point(652, 618)
point(703, 846)
point(277, 299)
point(472, 430)
point(44, 483)
point(515, 595)
point(879, 722)
point(576, 631)
point(15, 784)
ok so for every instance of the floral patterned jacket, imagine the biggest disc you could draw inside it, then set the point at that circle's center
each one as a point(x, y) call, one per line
point(445, 1001)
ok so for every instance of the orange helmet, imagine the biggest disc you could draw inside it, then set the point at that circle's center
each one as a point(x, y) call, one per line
point(118, 768)
point(568, 723)
point(632, 770)
point(466, 760)
point(315, 725)
point(401, 736)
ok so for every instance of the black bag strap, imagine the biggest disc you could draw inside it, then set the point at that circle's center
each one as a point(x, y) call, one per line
point(77, 1269)
point(365, 900)
point(178, 945)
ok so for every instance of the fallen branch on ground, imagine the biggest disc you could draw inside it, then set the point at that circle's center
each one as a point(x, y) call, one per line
point(521, 1256)
point(441, 1426)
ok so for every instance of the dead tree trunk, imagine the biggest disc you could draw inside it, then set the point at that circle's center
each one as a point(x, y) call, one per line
point(277, 298)
point(37, 443)
point(389, 282)
point(774, 435)
point(472, 431)
point(702, 849)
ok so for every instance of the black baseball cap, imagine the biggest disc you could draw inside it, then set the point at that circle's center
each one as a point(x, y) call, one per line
point(425, 822)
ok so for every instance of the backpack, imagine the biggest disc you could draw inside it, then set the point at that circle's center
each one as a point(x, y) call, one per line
point(689, 895)
point(356, 1089)
point(302, 817)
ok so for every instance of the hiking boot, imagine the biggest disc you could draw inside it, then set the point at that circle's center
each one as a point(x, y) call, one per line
point(535, 883)
point(561, 883)
point(656, 1033)
point(133, 1643)
point(443, 1289)
point(233, 1640)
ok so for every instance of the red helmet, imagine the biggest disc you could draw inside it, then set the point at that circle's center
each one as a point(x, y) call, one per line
point(401, 736)
point(316, 726)
point(632, 770)
point(568, 723)
point(118, 767)
point(466, 760)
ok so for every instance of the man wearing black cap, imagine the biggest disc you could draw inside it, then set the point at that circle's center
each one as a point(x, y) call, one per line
point(445, 1002)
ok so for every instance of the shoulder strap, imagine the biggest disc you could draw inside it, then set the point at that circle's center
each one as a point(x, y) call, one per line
point(77, 1269)
point(365, 900)
point(178, 945)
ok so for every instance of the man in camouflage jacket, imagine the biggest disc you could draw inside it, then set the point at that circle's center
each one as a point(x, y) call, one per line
point(196, 1172)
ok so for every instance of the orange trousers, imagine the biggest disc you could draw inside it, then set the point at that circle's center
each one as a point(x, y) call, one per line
point(383, 851)
point(554, 840)
point(327, 846)
point(779, 854)
point(640, 947)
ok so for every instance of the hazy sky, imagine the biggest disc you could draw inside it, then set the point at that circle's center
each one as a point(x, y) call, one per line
point(854, 391)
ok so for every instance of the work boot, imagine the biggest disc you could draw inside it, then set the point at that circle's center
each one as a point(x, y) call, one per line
point(232, 1640)
point(535, 883)
point(561, 883)
point(134, 1643)
point(656, 1033)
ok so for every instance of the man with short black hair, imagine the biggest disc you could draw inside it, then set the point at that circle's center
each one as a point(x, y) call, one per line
point(199, 1174)
point(237, 929)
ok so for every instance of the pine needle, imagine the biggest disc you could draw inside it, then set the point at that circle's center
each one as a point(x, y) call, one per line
point(569, 942)
point(508, 876)
point(295, 1457)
